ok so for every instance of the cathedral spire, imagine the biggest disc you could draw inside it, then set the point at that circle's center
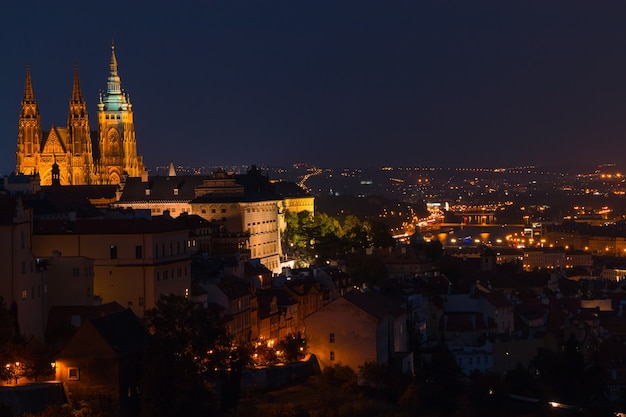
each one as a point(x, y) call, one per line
point(114, 82)
point(29, 103)
point(29, 131)
point(29, 95)
point(77, 94)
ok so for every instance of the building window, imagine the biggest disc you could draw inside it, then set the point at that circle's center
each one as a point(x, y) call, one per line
point(73, 374)
point(24, 294)
point(75, 272)
point(113, 252)
point(140, 302)
point(332, 355)
point(138, 252)
point(332, 338)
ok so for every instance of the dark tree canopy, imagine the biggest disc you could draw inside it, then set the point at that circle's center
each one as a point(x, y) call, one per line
point(190, 348)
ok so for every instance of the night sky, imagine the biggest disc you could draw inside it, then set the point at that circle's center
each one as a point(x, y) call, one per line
point(334, 83)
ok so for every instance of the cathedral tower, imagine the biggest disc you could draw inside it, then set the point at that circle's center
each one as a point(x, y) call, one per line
point(79, 137)
point(116, 138)
point(29, 131)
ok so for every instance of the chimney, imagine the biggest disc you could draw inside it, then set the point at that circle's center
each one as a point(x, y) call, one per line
point(144, 175)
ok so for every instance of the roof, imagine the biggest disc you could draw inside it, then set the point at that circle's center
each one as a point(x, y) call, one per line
point(234, 287)
point(496, 299)
point(290, 189)
point(265, 296)
point(302, 286)
point(55, 200)
point(463, 322)
point(161, 188)
point(63, 321)
point(373, 303)
point(401, 256)
point(123, 331)
point(245, 187)
point(112, 225)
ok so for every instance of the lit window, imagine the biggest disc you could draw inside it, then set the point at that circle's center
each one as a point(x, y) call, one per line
point(73, 374)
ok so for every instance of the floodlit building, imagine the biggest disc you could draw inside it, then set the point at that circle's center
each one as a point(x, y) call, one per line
point(135, 259)
point(244, 206)
point(81, 155)
point(357, 328)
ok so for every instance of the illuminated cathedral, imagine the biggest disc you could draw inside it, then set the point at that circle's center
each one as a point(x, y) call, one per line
point(76, 155)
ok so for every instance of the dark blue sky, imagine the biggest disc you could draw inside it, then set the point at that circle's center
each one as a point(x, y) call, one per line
point(334, 83)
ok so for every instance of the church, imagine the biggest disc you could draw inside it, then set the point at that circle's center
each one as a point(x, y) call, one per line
point(76, 155)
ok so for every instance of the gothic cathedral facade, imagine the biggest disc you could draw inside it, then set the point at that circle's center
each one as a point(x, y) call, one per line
point(75, 155)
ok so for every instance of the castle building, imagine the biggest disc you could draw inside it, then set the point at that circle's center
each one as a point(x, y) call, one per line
point(75, 155)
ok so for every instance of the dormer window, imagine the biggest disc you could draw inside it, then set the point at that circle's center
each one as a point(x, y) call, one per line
point(147, 191)
point(175, 191)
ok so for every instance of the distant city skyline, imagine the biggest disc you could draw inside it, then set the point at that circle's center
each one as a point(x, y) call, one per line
point(348, 83)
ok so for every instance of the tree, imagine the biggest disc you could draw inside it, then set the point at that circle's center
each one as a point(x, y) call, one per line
point(320, 237)
point(293, 347)
point(384, 380)
point(341, 375)
point(36, 360)
point(380, 237)
point(6, 323)
point(366, 269)
point(182, 366)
